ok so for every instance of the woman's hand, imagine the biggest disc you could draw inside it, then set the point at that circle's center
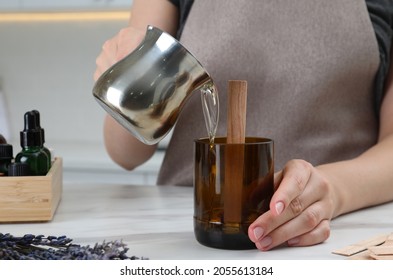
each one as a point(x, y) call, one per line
point(308, 197)
point(117, 48)
point(122, 146)
point(300, 209)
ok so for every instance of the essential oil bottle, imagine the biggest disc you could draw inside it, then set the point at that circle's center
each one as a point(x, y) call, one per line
point(33, 152)
point(6, 158)
point(18, 169)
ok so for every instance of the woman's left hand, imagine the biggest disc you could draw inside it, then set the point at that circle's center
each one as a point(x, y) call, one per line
point(300, 209)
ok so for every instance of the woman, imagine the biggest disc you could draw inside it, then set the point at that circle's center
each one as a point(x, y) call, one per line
point(318, 84)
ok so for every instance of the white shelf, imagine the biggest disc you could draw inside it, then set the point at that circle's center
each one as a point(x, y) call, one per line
point(62, 5)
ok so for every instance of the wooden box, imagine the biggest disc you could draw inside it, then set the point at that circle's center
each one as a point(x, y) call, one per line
point(31, 198)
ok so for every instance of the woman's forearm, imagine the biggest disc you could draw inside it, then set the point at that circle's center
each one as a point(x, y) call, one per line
point(122, 147)
point(364, 181)
point(159, 13)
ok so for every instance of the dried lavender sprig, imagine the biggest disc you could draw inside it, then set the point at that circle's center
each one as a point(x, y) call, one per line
point(39, 247)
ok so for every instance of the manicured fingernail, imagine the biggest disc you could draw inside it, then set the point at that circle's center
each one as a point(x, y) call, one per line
point(258, 232)
point(293, 241)
point(266, 241)
point(279, 207)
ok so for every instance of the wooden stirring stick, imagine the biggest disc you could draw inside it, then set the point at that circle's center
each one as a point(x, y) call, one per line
point(234, 160)
point(237, 107)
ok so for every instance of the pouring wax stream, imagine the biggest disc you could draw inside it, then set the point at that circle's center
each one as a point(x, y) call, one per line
point(234, 162)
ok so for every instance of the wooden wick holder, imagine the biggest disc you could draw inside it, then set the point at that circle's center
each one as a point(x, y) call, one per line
point(234, 161)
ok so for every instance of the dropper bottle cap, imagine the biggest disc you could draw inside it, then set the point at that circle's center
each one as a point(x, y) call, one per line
point(38, 124)
point(30, 136)
point(2, 140)
point(6, 151)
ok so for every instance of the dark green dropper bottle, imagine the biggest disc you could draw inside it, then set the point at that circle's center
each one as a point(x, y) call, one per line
point(32, 147)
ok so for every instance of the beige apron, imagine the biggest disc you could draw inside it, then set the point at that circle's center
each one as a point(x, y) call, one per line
point(310, 67)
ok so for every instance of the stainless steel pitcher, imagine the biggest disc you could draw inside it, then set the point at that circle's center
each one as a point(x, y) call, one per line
point(146, 91)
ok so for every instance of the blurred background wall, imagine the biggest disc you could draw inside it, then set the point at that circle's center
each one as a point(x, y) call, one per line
point(47, 61)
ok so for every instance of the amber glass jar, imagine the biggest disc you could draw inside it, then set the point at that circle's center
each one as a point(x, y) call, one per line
point(233, 185)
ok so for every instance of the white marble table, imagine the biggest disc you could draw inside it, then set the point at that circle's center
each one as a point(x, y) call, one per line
point(156, 222)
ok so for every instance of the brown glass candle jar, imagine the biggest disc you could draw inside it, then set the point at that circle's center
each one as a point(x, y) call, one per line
point(233, 185)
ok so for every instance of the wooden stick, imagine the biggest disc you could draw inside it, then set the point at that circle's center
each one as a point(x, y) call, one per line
point(381, 250)
point(234, 157)
point(389, 239)
point(237, 107)
point(361, 246)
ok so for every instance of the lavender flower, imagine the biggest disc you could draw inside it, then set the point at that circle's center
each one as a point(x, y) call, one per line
point(39, 247)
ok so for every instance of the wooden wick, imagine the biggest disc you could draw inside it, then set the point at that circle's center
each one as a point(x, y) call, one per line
point(234, 157)
point(236, 115)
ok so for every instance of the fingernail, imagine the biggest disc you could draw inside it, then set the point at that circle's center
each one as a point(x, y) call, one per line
point(293, 241)
point(266, 241)
point(279, 207)
point(258, 232)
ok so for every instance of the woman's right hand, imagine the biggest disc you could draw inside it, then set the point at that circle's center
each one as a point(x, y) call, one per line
point(122, 147)
point(117, 48)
